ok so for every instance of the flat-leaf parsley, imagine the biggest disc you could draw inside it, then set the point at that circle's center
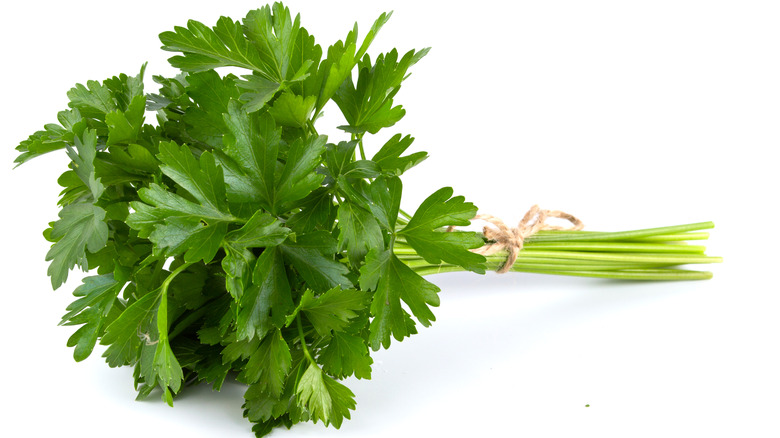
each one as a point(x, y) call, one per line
point(231, 238)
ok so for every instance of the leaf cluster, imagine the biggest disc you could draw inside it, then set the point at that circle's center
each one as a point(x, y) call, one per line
point(227, 237)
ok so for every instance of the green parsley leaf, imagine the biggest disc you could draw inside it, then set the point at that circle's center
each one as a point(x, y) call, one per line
point(208, 366)
point(267, 300)
point(393, 282)
point(315, 211)
point(92, 101)
point(292, 110)
point(81, 228)
point(52, 138)
point(312, 256)
point(179, 225)
point(129, 331)
point(386, 196)
point(262, 407)
point(342, 58)
point(359, 232)
point(96, 100)
point(262, 230)
point(257, 91)
point(269, 364)
point(253, 144)
point(274, 33)
point(346, 355)
point(264, 44)
point(332, 310)
point(125, 126)
point(298, 178)
point(133, 158)
point(205, 49)
point(94, 308)
point(424, 234)
point(326, 399)
point(83, 162)
point(211, 95)
point(124, 89)
point(368, 106)
point(339, 156)
point(336, 68)
point(389, 157)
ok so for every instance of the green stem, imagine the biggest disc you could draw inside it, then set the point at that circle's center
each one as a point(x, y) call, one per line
point(671, 237)
point(617, 247)
point(162, 310)
point(405, 215)
point(647, 254)
point(558, 265)
point(190, 319)
point(157, 270)
point(636, 274)
point(362, 152)
point(310, 125)
point(595, 256)
point(622, 257)
point(497, 260)
point(302, 337)
point(552, 236)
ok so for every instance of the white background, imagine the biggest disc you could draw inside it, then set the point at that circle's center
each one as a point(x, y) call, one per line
point(628, 114)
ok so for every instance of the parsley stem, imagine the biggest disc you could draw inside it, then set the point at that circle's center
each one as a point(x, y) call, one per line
point(190, 319)
point(645, 254)
point(638, 247)
point(302, 338)
point(632, 274)
point(172, 275)
point(617, 247)
point(623, 257)
point(551, 236)
point(676, 237)
point(648, 257)
point(406, 215)
point(555, 265)
point(162, 310)
point(310, 125)
point(157, 270)
point(362, 151)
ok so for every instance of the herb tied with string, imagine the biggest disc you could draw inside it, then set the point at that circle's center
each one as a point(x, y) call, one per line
point(230, 238)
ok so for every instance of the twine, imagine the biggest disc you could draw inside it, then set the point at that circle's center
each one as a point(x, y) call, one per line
point(502, 237)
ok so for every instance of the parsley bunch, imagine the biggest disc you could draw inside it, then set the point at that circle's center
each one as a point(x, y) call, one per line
point(231, 239)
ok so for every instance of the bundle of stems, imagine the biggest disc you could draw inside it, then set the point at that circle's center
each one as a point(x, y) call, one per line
point(644, 254)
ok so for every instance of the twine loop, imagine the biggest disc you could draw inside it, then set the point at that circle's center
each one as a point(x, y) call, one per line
point(502, 237)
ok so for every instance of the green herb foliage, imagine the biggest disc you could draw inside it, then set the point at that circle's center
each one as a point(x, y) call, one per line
point(230, 238)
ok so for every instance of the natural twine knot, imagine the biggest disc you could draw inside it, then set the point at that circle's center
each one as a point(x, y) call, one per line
point(512, 239)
